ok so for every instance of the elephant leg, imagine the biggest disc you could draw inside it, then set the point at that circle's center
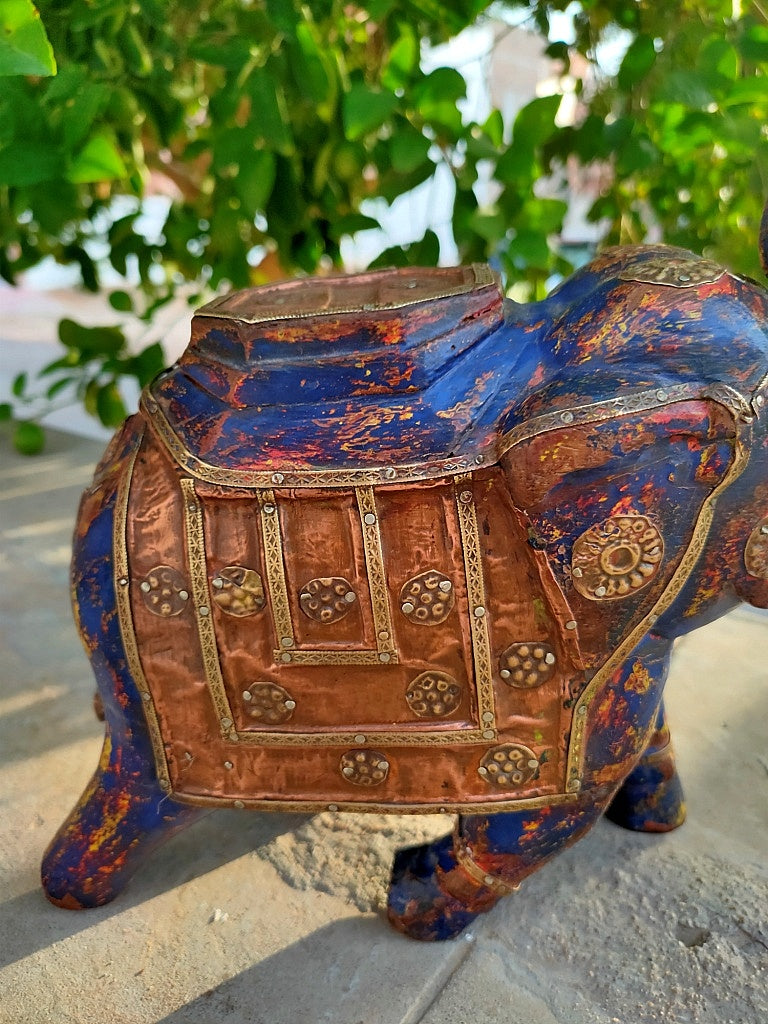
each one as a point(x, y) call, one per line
point(122, 816)
point(651, 797)
point(438, 889)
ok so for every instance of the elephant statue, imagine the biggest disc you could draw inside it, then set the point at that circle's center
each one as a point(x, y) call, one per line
point(391, 542)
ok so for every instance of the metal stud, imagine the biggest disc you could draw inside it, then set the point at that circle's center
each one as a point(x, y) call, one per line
point(369, 518)
point(277, 478)
point(505, 673)
point(385, 657)
point(488, 734)
point(228, 765)
point(487, 716)
point(239, 804)
point(571, 624)
point(226, 723)
point(247, 695)
point(204, 610)
point(146, 697)
point(662, 395)
point(289, 704)
point(383, 635)
point(146, 587)
point(465, 496)
point(390, 473)
point(333, 807)
point(286, 656)
point(218, 582)
point(359, 738)
point(578, 573)
point(479, 612)
point(479, 459)
point(566, 417)
point(759, 400)
point(184, 595)
point(269, 508)
point(123, 581)
point(549, 658)
point(287, 641)
point(445, 586)
point(406, 608)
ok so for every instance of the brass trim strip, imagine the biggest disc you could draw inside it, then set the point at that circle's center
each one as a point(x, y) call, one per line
point(377, 580)
point(365, 807)
point(430, 469)
point(121, 582)
point(465, 859)
point(575, 764)
point(198, 571)
point(482, 277)
point(304, 657)
point(380, 736)
point(275, 566)
point(477, 610)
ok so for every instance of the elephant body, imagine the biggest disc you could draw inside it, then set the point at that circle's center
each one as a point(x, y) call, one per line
point(391, 542)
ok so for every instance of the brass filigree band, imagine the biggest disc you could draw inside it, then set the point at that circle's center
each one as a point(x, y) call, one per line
point(473, 567)
point(377, 580)
point(275, 566)
point(198, 570)
point(431, 469)
point(122, 584)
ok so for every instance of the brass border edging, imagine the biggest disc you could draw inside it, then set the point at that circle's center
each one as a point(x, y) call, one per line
point(476, 606)
point(275, 566)
point(377, 581)
point(590, 412)
point(122, 585)
point(483, 277)
point(198, 571)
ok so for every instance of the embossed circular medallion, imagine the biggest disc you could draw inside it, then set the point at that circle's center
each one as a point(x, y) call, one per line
point(676, 272)
point(509, 766)
point(327, 599)
point(238, 590)
point(617, 557)
point(165, 591)
point(526, 665)
point(433, 695)
point(364, 767)
point(756, 551)
point(427, 598)
point(268, 703)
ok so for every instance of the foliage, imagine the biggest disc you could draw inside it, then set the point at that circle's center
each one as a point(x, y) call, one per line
point(269, 123)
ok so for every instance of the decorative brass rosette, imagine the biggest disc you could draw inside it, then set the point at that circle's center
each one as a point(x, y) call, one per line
point(238, 590)
point(527, 665)
point(268, 703)
point(327, 599)
point(433, 694)
point(616, 558)
point(509, 765)
point(165, 591)
point(427, 598)
point(364, 767)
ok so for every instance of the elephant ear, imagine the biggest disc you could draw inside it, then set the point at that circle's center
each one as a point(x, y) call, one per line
point(618, 506)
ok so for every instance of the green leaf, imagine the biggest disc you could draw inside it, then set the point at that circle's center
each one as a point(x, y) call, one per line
point(753, 45)
point(24, 46)
point(28, 438)
point(98, 160)
point(29, 163)
point(403, 60)
point(409, 149)
point(6, 411)
point(638, 61)
point(436, 97)
point(256, 179)
point(58, 386)
point(364, 110)
point(535, 123)
point(109, 405)
point(148, 363)
point(121, 301)
point(91, 341)
point(19, 385)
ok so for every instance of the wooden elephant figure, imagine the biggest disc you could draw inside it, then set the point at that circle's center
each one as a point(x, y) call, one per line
point(391, 542)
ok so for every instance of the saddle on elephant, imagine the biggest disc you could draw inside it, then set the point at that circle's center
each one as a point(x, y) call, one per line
point(359, 567)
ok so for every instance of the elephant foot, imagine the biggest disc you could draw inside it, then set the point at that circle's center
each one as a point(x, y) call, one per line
point(117, 823)
point(651, 797)
point(432, 897)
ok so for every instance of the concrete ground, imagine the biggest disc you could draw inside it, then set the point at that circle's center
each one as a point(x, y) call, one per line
point(277, 919)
